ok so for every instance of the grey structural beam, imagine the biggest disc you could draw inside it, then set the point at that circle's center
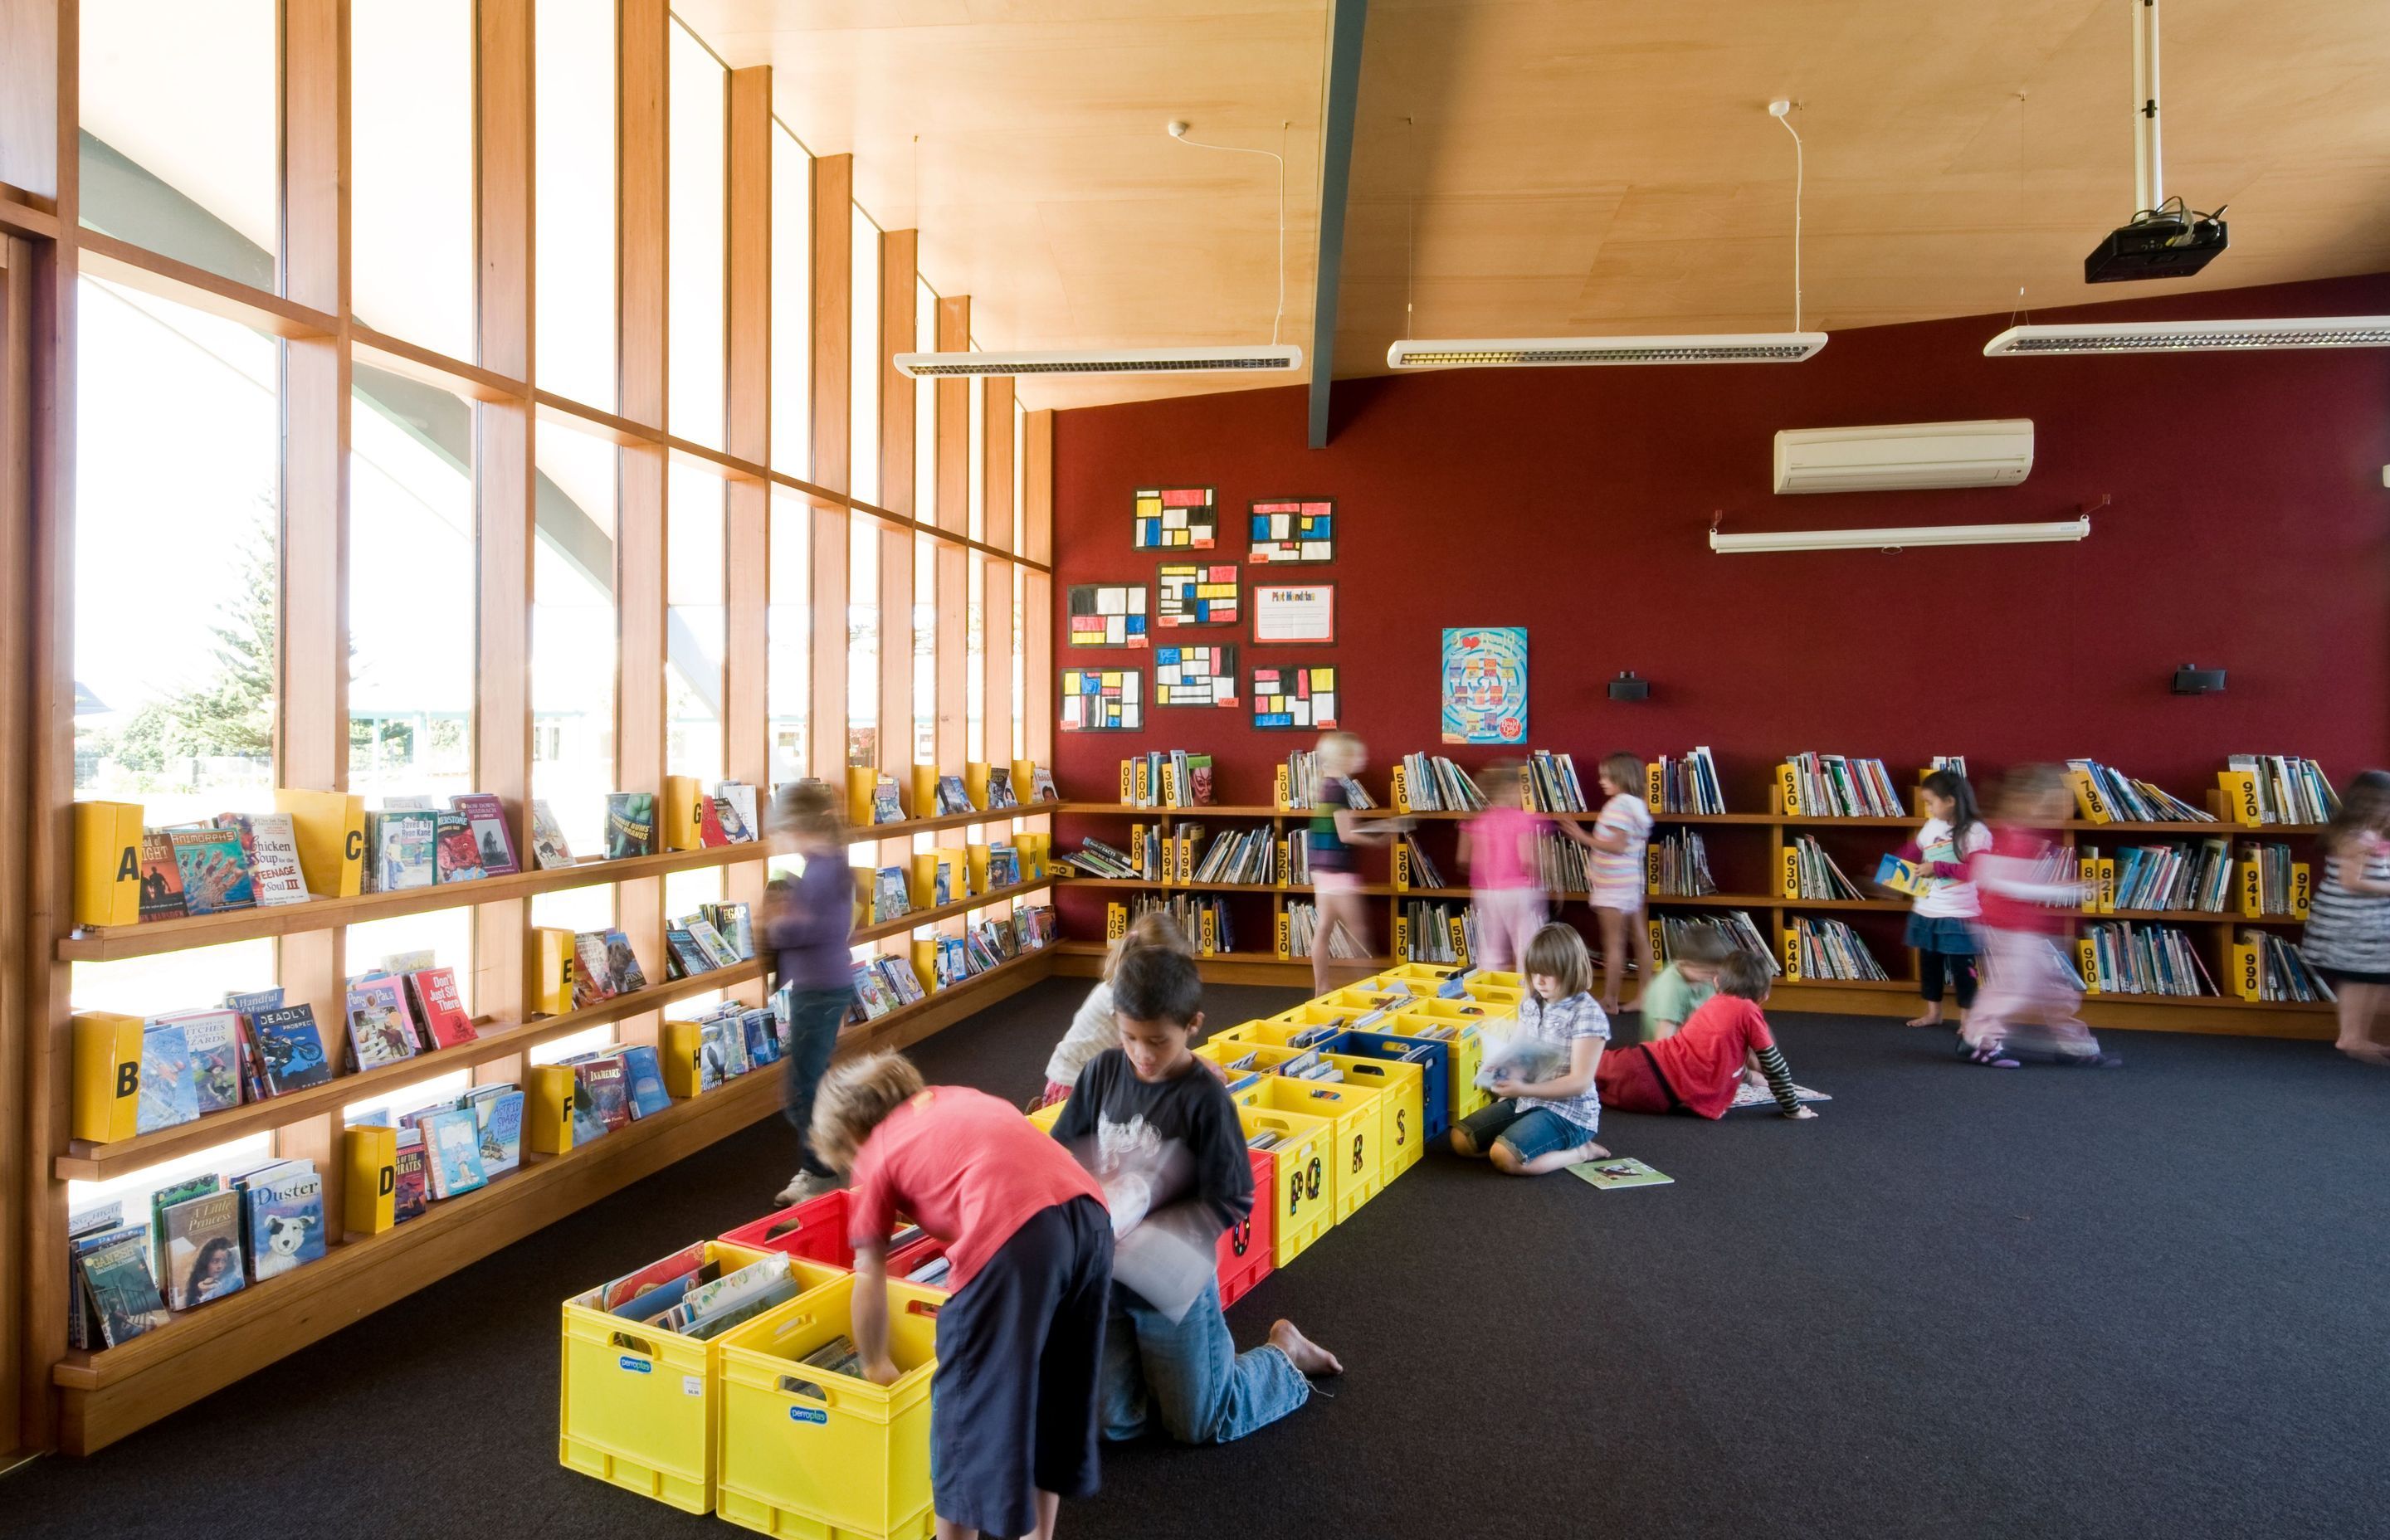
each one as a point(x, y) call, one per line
point(1335, 180)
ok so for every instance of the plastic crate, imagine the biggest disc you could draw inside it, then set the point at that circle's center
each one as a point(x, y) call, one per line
point(1244, 1254)
point(1301, 1201)
point(806, 1452)
point(1401, 1137)
point(1436, 1072)
point(638, 1404)
point(817, 1229)
point(1355, 1172)
point(1046, 1117)
point(1465, 1050)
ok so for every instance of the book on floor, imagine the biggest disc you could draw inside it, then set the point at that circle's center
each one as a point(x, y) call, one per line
point(1620, 1172)
point(1748, 1098)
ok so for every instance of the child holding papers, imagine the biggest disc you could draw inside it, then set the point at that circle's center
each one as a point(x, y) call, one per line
point(1545, 1124)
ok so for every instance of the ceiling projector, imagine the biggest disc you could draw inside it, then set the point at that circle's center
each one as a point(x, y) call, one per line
point(2172, 242)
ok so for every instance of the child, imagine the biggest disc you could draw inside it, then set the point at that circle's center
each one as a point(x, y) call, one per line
point(1939, 915)
point(1335, 830)
point(1498, 846)
point(1012, 1405)
point(2348, 922)
point(806, 921)
point(1142, 1108)
point(1699, 1067)
point(1540, 1127)
point(1672, 996)
point(1093, 1030)
point(1617, 844)
point(2029, 976)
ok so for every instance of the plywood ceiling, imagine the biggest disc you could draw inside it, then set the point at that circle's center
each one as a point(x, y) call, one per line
point(1555, 167)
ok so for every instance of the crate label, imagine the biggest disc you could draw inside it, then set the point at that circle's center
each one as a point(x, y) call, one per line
point(638, 1365)
point(692, 1384)
point(808, 1414)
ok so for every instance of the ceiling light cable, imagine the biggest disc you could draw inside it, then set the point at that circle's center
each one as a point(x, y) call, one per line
point(1783, 112)
point(1178, 131)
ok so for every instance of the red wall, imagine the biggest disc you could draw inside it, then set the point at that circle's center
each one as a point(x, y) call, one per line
point(2247, 532)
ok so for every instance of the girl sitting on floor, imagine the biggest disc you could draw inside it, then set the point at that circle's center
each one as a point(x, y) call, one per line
point(1548, 1124)
point(1699, 1067)
point(1093, 1029)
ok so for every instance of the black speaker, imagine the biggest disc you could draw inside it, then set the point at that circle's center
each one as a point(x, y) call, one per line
point(2198, 680)
point(1628, 687)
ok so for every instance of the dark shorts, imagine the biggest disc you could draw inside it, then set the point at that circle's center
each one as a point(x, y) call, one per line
point(1537, 1132)
point(2351, 976)
point(1020, 1349)
point(1952, 937)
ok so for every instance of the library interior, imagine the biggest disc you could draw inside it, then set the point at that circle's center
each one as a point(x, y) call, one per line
point(1001, 893)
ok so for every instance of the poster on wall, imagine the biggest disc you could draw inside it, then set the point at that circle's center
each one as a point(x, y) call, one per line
point(1104, 701)
point(1196, 592)
point(1484, 685)
point(1293, 530)
point(1298, 698)
point(1175, 519)
point(1195, 676)
point(1107, 614)
point(1294, 614)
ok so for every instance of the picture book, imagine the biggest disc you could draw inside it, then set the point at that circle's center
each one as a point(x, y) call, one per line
point(735, 830)
point(666, 1295)
point(381, 1030)
point(762, 1039)
point(168, 1095)
point(630, 824)
point(405, 845)
point(871, 992)
point(455, 856)
point(622, 964)
point(1619, 1171)
point(748, 822)
point(452, 1152)
point(710, 940)
point(120, 1291)
point(655, 1275)
point(899, 973)
point(215, 879)
point(886, 807)
point(724, 1049)
point(548, 844)
point(439, 1012)
point(952, 798)
point(409, 1194)
point(891, 895)
point(1747, 1096)
point(1522, 1059)
point(644, 1080)
point(736, 922)
point(161, 877)
point(493, 840)
point(683, 957)
point(592, 982)
point(609, 1091)
point(271, 843)
point(501, 1120)
point(203, 1248)
point(1901, 876)
point(708, 1307)
point(1041, 785)
point(289, 1049)
point(211, 1038)
point(284, 1223)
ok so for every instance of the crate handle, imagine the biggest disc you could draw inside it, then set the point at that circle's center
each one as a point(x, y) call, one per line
point(639, 1345)
point(794, 1324)
point(812, 1389)
point(922, 1307)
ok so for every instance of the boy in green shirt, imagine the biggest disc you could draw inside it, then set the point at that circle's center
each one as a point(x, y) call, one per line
point(1689, 978)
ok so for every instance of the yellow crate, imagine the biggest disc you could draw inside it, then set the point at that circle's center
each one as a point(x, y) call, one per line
point(1401, 1094)
point(1046, 1117)
point(1354, 1173)
point(828, 1456)
point(638, 1403)
point(1304, 1199)
point(1423, 978)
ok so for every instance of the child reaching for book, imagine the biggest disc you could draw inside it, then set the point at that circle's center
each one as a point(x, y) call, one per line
point(1671, 996)
point(1334, 832)
point(1499, 848)
point(1942, 912)
point(1020, 1339)
point(1724, 1041)
point(805, 924)
point(1093, 1029)
point(1164, 1137)
point(2031, 995)
point(1617, 843)
point(1540, 1126)
point(2348, 921)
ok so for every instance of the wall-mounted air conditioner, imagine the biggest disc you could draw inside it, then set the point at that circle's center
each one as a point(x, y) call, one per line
point(1904, 456)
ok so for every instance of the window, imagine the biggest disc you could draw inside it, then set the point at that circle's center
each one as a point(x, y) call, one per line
point(787, 679)
point(975, 665)
point(411, 172)
point(863, 426)
point(862, 643)
point(698, 212)
point(1020, 655)
point(925, 651)
point(447, 934)
point(925, 409)
point(574, 100)
point(976, 464)
point(572, 635)
point(793, 304)
point(695, 624)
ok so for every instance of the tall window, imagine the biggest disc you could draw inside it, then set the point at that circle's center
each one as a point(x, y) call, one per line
point(1020, 665)
point(793, 304)
point(695, 624)
point(572, 635)
point(787, 679)
point(976, 443)
point(976, 662)
point(925, 409)
point(863, 479)
point(863, 642)
point(699, 204)
point(574, 100)
point(925, 651)
point(411, 171)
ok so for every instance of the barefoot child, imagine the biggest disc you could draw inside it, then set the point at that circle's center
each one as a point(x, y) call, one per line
point(1617, 843)
point(2030, 1000)
point(1093, 1030)
point(1550, 1123)
point(1012, 1404)
point(1147, 1106)
point(1672, 996)
point(806, 921)
point(2348, 924)
point(1941, 917)
point(1699, 1067)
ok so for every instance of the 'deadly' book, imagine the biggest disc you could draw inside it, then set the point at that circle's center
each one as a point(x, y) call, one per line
point(492, 842)
point(380, 1031)
point(203, 1250)
point(630, 824)
point(215, 879)
point(548, 844)
point(456, 858)
point(161, 877)
point(288, 1049)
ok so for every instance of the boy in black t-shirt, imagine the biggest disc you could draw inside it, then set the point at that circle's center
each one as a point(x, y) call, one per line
point(1161, 1134)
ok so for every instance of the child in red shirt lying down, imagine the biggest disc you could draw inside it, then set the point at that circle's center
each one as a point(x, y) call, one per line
point(1699, 1067)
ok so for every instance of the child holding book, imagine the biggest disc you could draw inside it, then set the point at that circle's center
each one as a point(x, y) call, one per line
point(805, 924)
point(2348, 920)
point(1164, 1137)
point(1672, 996)
point(1542, 1126)
point(2031, 995)
point(1699, 1068)
point(1012, 1405)
point(1942, 912)
point(1617, 841)
point(1093, 1029)
point(1334, 833)
point(1498, 846)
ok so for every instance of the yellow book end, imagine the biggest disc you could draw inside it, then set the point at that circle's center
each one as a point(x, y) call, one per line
point(975, 786)
point(1285, 936)
point(860, 781)
point(1208, 932)
point(331, 830)
point(1459, 929)
point(1400, 786)
point(108, 863)
point(369, 1198)
point(1024, 781)
point(2300, 890)
point(1788, 790)
point(1655, 794)
point(2248, 971)
point(2088, 801)
point(2105, 884)
point(1402, 939)
point(2240, 796)
point(1115, 921)
point(1129, 782)
point(548, 1108)
point(1144, 781)
point(1402, 864)
point(1791, 956)
point(925, 879)
point(682, 1042)
point(1031, 850)
point(107, 1075)
point(1659, 944)
point(1788, 880)
point(925, 792)
point(1281, 790)
point(681, 825)
point(925, 963)
point(2086, 962)
point(978, 856)
point(552, 984)
point(2252, 884)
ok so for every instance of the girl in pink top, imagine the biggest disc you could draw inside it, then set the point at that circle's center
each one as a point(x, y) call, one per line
point(1499, 849)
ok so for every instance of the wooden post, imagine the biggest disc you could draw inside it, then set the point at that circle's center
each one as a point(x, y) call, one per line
point(748, 316)
point(833, 228)
point(1037, 601)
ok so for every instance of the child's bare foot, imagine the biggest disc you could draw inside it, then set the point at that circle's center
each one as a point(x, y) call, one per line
point(1590, 1152)
point(2367, 1053)
point(1933, 1017)
point(1302, 1351)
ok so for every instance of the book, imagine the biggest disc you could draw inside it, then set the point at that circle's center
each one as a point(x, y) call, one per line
point(593, 980)
point(215, 879)
point(404, 847)
point(548, 846)
point(711, 831)
point(120, 1289)
point(736, 923)
point(203, 1248)
point(455, 856)
point(886, 807)
point(271, 843)
point(161, 877)
point(211, 1042)
point(452, 1152)
point(494, 842)
point(709, 941)
point(739, 815)
point(890, 898)
point(1748, 1096)
point(1619, 1171)
point(381, 1030)
point(683, 957)
point(167, 1095)
point(631, 1286)
point(630, 824)
point(1901, 876)
point(608, 1085)
point(501, 1117)
point(622, 964)
point(952, 798)
point(409, 1194)
point(285, 1221)
point(762, 1039)
point(440, 1014)
point(644, 1080)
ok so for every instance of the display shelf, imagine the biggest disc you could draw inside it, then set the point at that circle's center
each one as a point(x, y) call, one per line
point(88, 1162)
point(1225, 810)
point(914, 919)
point(1375, 890)
point(861, 834)
point(2191, 916)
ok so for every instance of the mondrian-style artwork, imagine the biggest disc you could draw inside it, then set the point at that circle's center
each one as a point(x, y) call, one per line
point(1195, 676)
point(1295, 698)
point(1103, 700)
point(1294, 530)
point(1107, 614)
point(1171, 518)
point(1189, 592)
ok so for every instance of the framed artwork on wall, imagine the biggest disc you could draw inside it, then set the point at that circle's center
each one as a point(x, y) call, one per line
point(1168, 519)
point(1195, 676)
point(1195, 592)
point(1107, 614)
point(1293, 614)
point(1102, 700)
point(1295, 696)
point(1293, 530)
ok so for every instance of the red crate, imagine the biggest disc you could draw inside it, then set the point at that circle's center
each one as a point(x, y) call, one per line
point(819, 1234)
point(1245, 1250)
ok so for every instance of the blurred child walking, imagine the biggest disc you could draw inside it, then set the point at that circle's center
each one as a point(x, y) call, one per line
point(1499, 849)
point(1617, 843)
point(2031, 998)
point(2348, 921)
point(1330, 843)
point(806, 921)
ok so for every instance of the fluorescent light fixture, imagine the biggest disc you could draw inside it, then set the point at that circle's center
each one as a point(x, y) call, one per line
point(1511, 353)
point(1897, 539)
point(2313, 331)
point(965, 365)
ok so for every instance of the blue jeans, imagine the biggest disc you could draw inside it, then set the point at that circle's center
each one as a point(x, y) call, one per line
point(1187, 1379)
point(1531, 1134)
point(814, 1016)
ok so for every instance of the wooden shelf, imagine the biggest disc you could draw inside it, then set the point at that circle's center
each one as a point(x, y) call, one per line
point(1903, 985)
point(864, 834)
point(915, 919)
point(1376, 890)
point(1228, 810)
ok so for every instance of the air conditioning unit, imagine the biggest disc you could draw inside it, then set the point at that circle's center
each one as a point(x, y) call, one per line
point(1904, 456)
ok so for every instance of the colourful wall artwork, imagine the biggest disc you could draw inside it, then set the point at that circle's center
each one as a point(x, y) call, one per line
point(1107, 614)
point(1195, 594)
point(1175, 519)
point(1104, 701)
point(1295, 698)
point(1195, 676)
point(1293, 530)
point(1484, 685)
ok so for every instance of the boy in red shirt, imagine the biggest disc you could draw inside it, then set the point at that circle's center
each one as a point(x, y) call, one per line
point(1698, 1066)
point(1012, 1407)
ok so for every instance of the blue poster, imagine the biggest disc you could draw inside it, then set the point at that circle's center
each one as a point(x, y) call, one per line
point(1486, 684)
